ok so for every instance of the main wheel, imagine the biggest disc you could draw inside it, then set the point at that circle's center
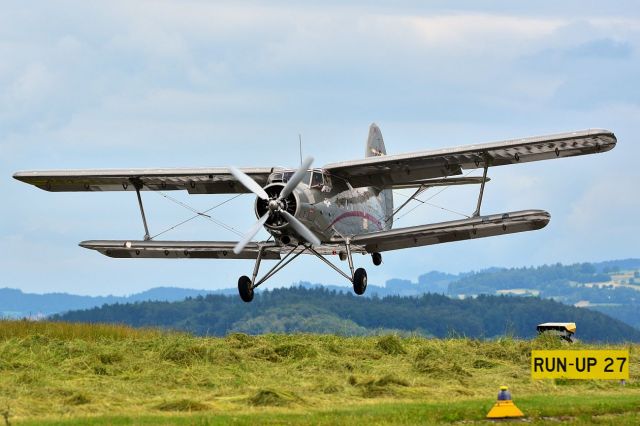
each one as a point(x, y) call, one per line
point(377, 258)
point(360, 281)
point(244, 288)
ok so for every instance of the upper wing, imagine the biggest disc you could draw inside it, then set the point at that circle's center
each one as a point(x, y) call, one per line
point(393, 170)
point(457, 230)
point(196, 181)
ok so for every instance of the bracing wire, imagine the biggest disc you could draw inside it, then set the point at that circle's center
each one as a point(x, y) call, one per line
point(198, 214)
point(434, 205)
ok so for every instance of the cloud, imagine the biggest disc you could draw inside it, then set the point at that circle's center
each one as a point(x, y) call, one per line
point(593, 213)
point(602, 48)
point(194, 83)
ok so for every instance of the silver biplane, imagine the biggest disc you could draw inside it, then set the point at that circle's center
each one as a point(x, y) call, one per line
point(337, 210)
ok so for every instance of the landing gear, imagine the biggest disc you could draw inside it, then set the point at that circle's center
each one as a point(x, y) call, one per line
point(360, 281)
point(377, 258)
point(245, 288)
point(358, 277)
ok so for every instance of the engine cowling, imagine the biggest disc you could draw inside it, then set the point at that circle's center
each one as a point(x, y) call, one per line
point(289, 204)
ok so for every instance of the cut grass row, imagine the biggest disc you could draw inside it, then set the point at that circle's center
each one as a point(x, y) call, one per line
point(123, 376)
point(604, 409)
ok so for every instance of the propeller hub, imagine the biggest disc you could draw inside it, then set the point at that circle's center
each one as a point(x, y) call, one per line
point(275, 205)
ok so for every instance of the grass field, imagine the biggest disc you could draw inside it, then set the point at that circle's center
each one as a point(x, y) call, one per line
point(57, 373)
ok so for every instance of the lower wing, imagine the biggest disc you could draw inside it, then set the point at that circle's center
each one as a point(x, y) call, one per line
point(180, 249)
point(457, 230)
point(395, 239)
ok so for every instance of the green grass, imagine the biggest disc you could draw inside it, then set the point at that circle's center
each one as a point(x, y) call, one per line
point(57, 373)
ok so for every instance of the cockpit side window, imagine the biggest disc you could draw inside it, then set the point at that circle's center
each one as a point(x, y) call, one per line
point(317, 180)
point(327, 182)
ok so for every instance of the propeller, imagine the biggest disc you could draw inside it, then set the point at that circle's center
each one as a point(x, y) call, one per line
point(300, 228)
point(275, 205)
point(249, 183)
point(296, 178)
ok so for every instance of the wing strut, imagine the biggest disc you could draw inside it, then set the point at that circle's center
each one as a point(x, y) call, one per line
point(288, 258)
point(137, 184)
point(484, 180)
point(335, 268)
point(277, 268)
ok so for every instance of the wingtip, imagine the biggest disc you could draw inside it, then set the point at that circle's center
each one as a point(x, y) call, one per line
point(545, 218)
point(18, 175)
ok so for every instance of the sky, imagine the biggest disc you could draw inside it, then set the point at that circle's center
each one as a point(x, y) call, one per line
point(200, 83)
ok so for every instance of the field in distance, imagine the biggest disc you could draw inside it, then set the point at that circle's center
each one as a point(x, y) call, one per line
point(60, 373)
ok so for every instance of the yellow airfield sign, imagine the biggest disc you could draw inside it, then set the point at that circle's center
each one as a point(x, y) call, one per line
point(580, 364)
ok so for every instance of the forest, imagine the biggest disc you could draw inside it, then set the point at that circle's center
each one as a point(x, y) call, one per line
point(319, 310)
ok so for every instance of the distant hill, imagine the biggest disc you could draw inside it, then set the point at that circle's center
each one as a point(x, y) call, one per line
point(16, 304)
point(324, 311)
point(617, 265)
point(611, 287)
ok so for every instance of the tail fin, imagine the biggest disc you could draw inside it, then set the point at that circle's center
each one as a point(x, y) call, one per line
point(375, 144)
point(376, 148)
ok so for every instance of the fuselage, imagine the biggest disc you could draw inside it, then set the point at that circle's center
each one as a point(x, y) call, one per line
point(330, 207)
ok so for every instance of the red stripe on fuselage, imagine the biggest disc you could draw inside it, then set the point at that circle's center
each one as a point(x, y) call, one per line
point(364, 215)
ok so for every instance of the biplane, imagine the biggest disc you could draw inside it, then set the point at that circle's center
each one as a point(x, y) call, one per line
point(340, 209)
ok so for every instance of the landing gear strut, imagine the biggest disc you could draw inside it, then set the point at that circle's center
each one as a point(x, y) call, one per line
point(358, 277)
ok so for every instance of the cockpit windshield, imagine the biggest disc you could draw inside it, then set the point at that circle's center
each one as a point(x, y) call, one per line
point(312, 178)
point(286, 176)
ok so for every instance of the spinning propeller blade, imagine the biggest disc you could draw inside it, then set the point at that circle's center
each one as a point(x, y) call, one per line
point(296, 178)
point(249, 183)
point(249, 235)
point(300, 228)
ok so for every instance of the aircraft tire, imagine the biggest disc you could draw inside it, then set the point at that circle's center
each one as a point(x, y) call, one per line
point(360, 281)
point(244, 288)
point(377, 259)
